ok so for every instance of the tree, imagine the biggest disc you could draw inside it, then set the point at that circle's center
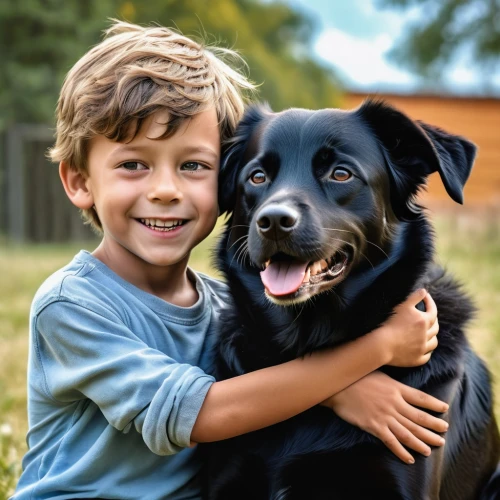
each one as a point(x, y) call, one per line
point(41, 39)
point(443, 29)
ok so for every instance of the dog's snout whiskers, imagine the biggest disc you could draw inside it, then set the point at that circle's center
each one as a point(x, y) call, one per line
point(242, 251)
point(367, 241)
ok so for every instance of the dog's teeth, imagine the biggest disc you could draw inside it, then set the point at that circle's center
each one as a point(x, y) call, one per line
point(307, 275)
point(315, 268)
point(267, 263)
point(318, 267)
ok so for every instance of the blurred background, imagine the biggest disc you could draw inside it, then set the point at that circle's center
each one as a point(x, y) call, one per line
point(437, 61)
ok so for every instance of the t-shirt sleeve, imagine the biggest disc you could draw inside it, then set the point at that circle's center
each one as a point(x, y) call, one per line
point(87, 353)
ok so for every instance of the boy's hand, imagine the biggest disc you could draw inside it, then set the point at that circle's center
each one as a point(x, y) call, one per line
point(410, 335)
point(386, 409)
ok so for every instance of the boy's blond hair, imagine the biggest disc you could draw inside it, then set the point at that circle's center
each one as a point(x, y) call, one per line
point(134, 72)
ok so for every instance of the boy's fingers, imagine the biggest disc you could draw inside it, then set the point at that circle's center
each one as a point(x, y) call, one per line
point(430, 307)
point(423, 419)
point(423, 400)
point(417, 296)
point(423, 359)
point(388, 438)
point(407, 438)
point(425, 435)
point(433, 330)
point(431, 344)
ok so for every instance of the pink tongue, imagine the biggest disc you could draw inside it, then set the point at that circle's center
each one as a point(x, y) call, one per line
point(282, 278)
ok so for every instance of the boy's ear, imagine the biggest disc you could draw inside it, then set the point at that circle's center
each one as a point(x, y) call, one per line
point(75, 185)
point(413, 151)
point(238, 151)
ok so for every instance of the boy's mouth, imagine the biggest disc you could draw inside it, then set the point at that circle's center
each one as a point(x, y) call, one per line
point(162, 225)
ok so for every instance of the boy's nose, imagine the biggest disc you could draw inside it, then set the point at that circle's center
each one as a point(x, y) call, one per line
point(165, 188)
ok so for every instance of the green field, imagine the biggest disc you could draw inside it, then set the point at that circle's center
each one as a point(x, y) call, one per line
point(469, 246)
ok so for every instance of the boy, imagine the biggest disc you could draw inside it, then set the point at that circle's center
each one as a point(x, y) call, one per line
point(120, 338)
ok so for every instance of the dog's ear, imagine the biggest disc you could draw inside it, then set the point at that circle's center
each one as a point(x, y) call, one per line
point(415, 150)
point(456, 157)
point(235, 151)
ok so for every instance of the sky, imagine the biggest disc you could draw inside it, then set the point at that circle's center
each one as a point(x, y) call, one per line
point(354, 37)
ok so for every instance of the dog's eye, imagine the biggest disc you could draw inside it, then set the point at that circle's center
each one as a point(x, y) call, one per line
point(341, 174)
point(258, 177)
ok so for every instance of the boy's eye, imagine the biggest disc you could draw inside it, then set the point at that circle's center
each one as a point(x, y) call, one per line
point(192, 166)
point(133, 166)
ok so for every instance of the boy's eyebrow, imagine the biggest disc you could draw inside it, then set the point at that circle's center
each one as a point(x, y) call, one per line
point(126, 150)
point(138, 149)
point(201, 149)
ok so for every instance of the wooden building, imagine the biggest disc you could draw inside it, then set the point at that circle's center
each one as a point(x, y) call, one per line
point(476, 118)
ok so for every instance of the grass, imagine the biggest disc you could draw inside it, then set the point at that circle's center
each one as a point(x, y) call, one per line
point(469, 246)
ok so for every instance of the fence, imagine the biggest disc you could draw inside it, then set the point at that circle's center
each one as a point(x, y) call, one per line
point(33, 205)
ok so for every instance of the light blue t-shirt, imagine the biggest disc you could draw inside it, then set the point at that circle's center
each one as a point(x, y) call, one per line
point(116, 378)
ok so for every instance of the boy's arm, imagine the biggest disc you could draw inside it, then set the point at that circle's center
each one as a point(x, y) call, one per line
point(265, 397)
point(85, 351)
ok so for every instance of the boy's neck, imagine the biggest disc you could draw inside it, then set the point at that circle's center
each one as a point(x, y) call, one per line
point(170, 283)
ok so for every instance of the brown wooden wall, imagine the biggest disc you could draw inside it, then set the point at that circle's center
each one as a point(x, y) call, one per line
point(478, 119)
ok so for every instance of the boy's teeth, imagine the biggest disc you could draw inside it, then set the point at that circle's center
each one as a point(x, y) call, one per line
point(161, 224)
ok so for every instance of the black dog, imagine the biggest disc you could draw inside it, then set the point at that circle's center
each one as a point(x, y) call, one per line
point(323, 223)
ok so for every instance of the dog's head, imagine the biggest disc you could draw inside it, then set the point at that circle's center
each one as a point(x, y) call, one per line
point(316, 196)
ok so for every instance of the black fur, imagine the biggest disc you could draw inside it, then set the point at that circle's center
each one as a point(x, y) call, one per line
point(316, 455)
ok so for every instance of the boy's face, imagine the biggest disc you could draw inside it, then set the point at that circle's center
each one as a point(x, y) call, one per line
point(156, 198)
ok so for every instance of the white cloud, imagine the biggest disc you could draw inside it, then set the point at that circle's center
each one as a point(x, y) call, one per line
point(361, 61)
point(462, 75)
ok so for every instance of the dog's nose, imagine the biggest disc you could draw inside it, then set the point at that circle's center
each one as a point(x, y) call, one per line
point(277, 221)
